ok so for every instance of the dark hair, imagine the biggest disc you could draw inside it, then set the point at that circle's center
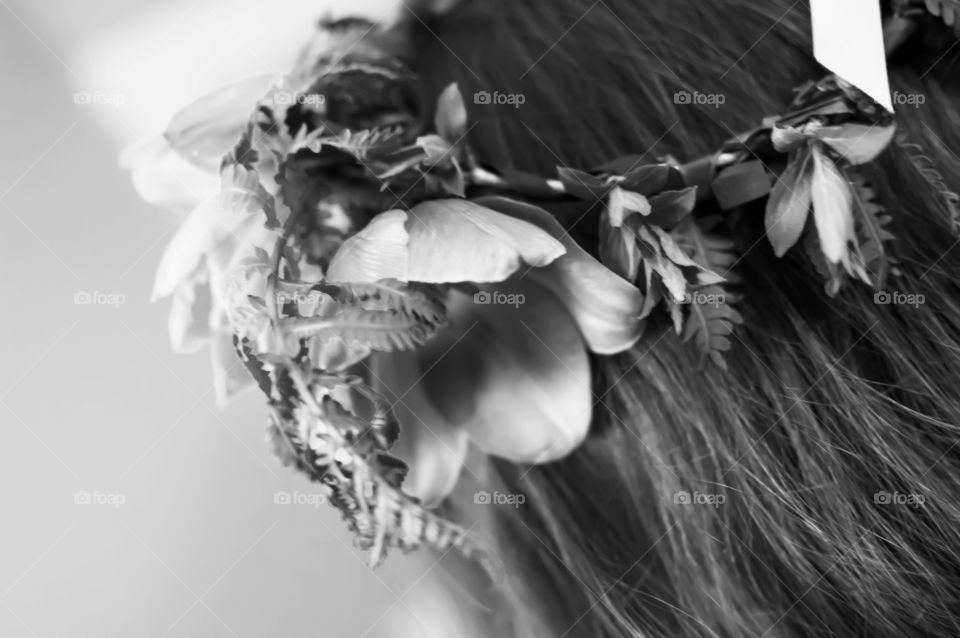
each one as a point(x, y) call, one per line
point(826, 402)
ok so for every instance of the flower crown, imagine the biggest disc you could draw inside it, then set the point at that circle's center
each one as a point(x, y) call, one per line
point(352, 244)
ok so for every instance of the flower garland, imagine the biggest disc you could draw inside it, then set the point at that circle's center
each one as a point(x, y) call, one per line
point(311, 267)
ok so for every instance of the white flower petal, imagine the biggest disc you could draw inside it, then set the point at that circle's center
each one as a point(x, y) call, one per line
point(209, 230)
point(162, 176)
point(605, 306)
point(206, 129)
point(229, 373)
point(453, 240)
point(189, 320)
point(378, 251)
point(434, 448)
point(857, 143)
point(516, 377)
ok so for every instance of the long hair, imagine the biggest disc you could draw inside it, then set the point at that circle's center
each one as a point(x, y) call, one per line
point(825, 403)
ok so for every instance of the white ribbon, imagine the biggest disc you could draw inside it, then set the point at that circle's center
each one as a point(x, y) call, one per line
point(848, 40)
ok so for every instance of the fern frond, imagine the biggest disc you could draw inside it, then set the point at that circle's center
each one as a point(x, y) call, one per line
point(421, 301)
point(383, 330)
point(870, 220)
point(363, 144)
point(709, 324)
point(712, 316)
point(925, 166)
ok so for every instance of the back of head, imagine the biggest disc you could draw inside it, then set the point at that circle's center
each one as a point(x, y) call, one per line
point(746, 501)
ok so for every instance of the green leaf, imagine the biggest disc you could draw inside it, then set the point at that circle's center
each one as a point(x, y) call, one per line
point(856, 143)
point(790, 201)
point(871, 220)
point(714, 253)
point(618, 249)
point(622, 203)
point(669, 207)
point(654, 293)
point(831, 273)
point(832, 207)
point(652, 179)
point(450, 118)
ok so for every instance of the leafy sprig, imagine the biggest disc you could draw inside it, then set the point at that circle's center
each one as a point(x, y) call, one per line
point(648, 235)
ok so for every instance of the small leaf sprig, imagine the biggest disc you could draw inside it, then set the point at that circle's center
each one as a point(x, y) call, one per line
point(649, 236)
point(834, 129)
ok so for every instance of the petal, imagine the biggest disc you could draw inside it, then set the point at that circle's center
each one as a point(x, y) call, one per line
point(605, 306)
point(857, 143)
point(210, 230)
point(442, 241)
point(189, 320)
point(786, 138)
point(516, 377)
point(161, 176)
point(379, 251)
point(433, 447)
point(229, 373)
point(623, 203)
point(203, 131)
point(453, 240)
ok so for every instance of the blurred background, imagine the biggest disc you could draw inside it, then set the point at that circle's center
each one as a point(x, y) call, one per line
point(131, 504)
